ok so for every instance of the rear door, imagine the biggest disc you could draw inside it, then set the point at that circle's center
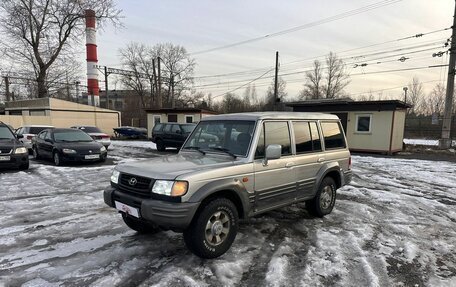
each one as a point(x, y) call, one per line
point(309, 156)
point(275, 182)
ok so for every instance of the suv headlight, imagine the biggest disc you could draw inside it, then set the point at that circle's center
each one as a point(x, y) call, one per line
point(67, 150)
point(115, 176)
point(102, 149)
point(20, 150)
point(170, 187)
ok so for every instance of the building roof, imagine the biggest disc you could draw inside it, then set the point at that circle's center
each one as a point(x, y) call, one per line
point(253, 116)
point(180, 111)
point(333, 105)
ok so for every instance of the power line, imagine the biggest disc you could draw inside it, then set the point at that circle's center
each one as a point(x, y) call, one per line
point(305, 26)
point(233, 90)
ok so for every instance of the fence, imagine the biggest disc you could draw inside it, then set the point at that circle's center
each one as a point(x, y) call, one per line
point(427, 128)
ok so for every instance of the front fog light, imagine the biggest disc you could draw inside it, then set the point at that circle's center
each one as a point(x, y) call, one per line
point(20, 150)
point(115, 176)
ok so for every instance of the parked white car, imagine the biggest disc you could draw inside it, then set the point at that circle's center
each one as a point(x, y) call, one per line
point(29, 131)
point(96, 134)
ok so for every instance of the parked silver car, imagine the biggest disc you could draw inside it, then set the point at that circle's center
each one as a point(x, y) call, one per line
point(251, 163)
point(30, 131)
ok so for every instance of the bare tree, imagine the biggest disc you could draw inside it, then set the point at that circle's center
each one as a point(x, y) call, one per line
point(415, 95)
point(326, 82)
point(177, 69)
point(39, 31)
point(281, 94)
point(435, 101)
point(313, 88)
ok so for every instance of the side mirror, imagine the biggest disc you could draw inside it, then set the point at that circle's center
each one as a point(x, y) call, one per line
point(19, 136)
point(273, 151)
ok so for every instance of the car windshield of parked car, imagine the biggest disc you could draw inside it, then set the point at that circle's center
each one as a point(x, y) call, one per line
point(187, 128)
point(6, 134)
point(72, 136)
point(90, 129)
point(231, 137)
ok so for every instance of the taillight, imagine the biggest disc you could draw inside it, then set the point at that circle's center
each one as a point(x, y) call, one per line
point(105, 137)
point(29, 137)
point(350, 162)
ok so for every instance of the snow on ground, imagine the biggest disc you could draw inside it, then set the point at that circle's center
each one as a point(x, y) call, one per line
point(394, 225)
point(424, 142)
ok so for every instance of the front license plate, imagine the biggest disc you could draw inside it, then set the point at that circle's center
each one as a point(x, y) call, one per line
point(5, 158)
point(127, 209)
point(92, 156)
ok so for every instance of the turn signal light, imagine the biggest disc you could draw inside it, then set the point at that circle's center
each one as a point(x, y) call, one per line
point(179, 188)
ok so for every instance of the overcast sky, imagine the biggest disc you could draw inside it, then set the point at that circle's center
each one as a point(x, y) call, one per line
point(205, 24)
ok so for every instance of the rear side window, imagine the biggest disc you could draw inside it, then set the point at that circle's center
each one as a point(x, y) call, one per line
point(167, 128)
point(303, 137)
point(333, 135)
point(316, 141)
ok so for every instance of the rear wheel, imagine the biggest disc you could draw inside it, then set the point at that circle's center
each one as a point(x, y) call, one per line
point(139, 225)
point(325, 199)
point(213, 229)
point(161, 145)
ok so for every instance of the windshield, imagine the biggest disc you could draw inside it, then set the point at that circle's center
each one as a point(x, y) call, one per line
point(6, 134)
point(72, 136)
point(90, 129)
point(216, 136)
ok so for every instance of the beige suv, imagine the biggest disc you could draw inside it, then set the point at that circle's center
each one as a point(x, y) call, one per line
point(232, 167)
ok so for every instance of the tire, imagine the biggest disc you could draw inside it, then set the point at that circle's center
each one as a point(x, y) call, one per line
point(57, 158)
point(24, 166)
point(325, 199)
point(139, 225)
point(103, 158)
point(35, 153)
point(161, 145)
point(220, 218)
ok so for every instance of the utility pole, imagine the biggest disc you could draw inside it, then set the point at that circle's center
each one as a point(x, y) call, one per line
point(159, 98)
point(445, 141)
point(153, 92)
point(405, 94)
point(106, 86)
point(77, 90)
point(276, 80)
point(67, 87)
point(7, 92)
point(171, 88)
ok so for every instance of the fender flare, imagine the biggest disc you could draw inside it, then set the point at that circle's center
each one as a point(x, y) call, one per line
point(324, 170)
point(231, 185)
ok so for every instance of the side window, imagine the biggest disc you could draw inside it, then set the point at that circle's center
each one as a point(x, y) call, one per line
point(333, 135)
point(316, 141)
point(19, 131)
point(42, 135)
point(175, 128)
point(363, 123)
point(47, 136)
point(278, 133)
point(157, 127)
point(167, 128)
point(303, 138)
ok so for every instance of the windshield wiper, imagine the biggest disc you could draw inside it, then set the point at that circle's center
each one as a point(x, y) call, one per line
point(197, 148)
point(225, 150)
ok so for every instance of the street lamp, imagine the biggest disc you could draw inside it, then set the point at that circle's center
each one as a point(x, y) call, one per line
point(405, 94)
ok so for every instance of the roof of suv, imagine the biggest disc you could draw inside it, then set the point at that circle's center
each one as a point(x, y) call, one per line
point(272, 115)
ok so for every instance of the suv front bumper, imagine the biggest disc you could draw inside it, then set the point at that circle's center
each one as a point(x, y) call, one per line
point(169, 215)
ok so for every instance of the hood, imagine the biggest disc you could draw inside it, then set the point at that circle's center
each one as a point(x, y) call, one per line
point(171, 166)
point(81, 146)
point(10, 144)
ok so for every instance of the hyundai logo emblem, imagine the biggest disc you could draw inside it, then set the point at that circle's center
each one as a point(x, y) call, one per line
point(132, 181)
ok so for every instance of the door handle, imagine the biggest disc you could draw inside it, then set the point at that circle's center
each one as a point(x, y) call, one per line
point(321, 159)
point(289, 164)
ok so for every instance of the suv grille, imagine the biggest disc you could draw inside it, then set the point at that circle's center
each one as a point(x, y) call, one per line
point(136, 185)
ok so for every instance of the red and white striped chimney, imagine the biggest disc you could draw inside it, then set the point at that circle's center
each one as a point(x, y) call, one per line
point(92, 59)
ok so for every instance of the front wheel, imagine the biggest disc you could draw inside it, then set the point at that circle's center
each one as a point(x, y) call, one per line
point(57, 159)
point(138, 225)
point(161, 145)
point(213, 229)
point(325, 199)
